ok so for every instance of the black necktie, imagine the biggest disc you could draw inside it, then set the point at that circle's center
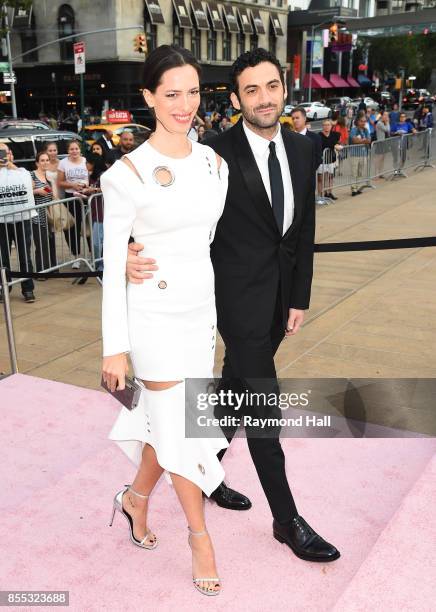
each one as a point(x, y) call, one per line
point(276, 182)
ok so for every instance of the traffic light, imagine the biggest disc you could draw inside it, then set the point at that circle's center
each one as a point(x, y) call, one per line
point(333, 33)
point(140, 43)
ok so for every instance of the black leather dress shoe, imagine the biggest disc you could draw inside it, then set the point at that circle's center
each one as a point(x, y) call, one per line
point(230, 499)
point(304, 541)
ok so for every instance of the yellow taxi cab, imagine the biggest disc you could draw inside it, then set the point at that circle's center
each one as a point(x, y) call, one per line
point(91, 133)
point(284, 118)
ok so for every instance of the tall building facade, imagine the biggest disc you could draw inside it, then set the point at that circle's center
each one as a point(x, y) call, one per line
point(216, 32)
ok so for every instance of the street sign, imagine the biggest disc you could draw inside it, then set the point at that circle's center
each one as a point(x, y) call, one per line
point(79, 58)
point(4, 66)
point(118, 116)
point(9, 77)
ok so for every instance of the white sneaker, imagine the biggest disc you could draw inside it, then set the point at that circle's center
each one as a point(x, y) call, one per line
point(76, 265)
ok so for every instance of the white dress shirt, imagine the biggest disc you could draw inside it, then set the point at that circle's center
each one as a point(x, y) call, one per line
point(108, 142)
point(260, 148)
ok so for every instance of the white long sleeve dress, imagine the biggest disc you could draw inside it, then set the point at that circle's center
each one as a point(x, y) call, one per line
point(168, 323)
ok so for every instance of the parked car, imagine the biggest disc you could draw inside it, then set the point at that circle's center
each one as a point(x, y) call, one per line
point(414, 97)
point(335, 103)
point(23, 124)
point(25, 144)
point(316, 110)
point(94, 132)
point(383, 97)
point(370, 102)
point(288, 109)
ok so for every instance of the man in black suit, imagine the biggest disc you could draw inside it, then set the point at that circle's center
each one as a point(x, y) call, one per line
point(263, 259)
point(299, 119)
point(106, 141)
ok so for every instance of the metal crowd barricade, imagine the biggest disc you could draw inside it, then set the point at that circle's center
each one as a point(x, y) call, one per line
point(350, 169)
point(385, 157)
point(45, 238)
point(432, 145)
point(415, 149)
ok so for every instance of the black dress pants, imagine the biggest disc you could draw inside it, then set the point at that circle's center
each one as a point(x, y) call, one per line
point(20, 234)
point(249, 366)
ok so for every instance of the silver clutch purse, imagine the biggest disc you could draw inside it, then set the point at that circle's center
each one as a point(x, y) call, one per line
point(129, 396)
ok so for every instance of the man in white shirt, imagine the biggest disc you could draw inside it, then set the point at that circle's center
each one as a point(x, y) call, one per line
point(16, 197)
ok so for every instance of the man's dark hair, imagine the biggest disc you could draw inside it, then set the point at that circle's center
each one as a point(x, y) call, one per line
point(299, 109)
point(249, 59)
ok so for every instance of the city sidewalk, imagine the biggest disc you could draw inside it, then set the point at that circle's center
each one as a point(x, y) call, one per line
point(373, 314)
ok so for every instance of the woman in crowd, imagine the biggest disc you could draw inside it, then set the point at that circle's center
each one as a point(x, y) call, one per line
point(169, 194)
point(96, 166)
point(330, 143)
point(201, 131)
point(383, 131)
point(342, 130)
point(74, 179)
point(97, 149)
point(43, 237)
point(51, 149)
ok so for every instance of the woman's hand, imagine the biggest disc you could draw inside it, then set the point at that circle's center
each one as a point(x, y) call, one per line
point(114, 370)
point(40, 191)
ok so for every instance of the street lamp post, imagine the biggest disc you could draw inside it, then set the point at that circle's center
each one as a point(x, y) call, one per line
point(334, 19)
point(11, 69)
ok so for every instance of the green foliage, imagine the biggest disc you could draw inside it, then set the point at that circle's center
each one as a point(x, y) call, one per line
point(415, 53)
point(16, 3)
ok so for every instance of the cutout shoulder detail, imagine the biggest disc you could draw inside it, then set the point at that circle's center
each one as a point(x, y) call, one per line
point(219, 159)
point(127, 161)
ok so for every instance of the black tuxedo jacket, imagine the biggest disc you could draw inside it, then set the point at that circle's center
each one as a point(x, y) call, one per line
point(254, 264)
point(317, 143)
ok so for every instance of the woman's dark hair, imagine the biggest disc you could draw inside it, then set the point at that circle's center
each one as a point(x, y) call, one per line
point(99, 165)
point(38, 155)
point(249, 59)
point(341, 121)
point(165, 58)
point(48, 143)
point(161, 59)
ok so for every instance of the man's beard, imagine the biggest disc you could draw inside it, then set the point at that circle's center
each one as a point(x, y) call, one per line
point(260, 122)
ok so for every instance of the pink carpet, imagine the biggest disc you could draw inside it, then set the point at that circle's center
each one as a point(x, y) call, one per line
point(373, 498)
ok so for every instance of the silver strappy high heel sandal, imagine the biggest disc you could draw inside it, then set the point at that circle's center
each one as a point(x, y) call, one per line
point(216, 581)
point(118, 505)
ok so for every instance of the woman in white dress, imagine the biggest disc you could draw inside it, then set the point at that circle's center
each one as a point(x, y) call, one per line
point(169, 194)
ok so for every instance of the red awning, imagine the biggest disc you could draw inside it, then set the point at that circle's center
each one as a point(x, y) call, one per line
point(352, 82)
point(337, 81)
point(318, 82)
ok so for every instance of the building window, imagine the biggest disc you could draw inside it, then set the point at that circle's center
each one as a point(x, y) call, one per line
point(272, 40)
point(66, 28)
point(280, 3)
point(150, 30)
point(211, 43)
point(29, 41)
point(178, 37)
point(195, 40)
point(254, 41)
point(227, 45)
point(240, 40)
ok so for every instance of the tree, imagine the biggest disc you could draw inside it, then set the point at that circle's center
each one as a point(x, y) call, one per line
point(416, 53)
